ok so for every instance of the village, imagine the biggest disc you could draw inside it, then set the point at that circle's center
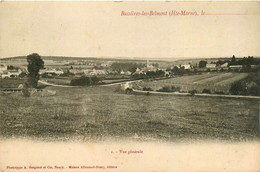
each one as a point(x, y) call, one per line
point(104, 68)
point(235, 76)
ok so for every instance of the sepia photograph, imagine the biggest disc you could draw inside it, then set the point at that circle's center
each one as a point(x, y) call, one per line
point(129, 86)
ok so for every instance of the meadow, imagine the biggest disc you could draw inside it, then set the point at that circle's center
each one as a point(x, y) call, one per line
point(105, 113)
point(215, 82)
point(11, 82)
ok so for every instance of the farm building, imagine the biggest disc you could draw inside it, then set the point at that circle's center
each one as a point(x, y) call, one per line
point(138, 71)
point(11, 73)
point(224, 65)
point(236, 66)
point(125, 73)
point(210, 66)
point(4, 74)
point(51, 72)
point(186, 66)
point(98, 72)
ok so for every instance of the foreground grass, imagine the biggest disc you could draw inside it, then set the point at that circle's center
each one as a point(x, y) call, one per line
point(98, 113)
point(12, 82)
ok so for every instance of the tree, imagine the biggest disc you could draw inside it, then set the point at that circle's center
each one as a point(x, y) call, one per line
point(11, 67)
point(35, 63)
point(178, 71)
point(238, 88)
point(85, 81)
point(233, 60)
point(202, 64)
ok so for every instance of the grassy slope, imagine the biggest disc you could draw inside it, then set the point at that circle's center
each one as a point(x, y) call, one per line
point(11, 82)
point(100, 113)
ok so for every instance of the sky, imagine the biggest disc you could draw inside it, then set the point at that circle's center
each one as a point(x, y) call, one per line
point(97, 29)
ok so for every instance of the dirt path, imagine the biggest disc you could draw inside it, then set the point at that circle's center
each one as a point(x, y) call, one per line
point(123, 82)
point(201, 95)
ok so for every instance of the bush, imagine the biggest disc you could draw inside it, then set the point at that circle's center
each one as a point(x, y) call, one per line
point(147, 89)
point(129, 91)
point(25, 90)
point(245, 87)
point(206, 91)
point(254, 91)
point(84, 81)
point(193, 92)
point(238, 88)
point(219, 92)
point(169, 89)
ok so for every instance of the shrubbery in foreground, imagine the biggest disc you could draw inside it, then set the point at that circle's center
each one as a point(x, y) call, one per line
point(169, 89)
point(84, 81)
point(249, 86)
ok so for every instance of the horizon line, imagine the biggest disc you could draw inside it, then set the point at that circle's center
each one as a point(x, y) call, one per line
point(135, 58)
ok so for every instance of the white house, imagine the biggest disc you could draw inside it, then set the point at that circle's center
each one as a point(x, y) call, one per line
point(11, 73)
point(126, 85)
point(225, 65)
point(51, 71)
point(236, 66)
point(128, 73)
point(186, 66)
point(98, 72)
point(138, 71)
point(4, 75)
point(210, 66)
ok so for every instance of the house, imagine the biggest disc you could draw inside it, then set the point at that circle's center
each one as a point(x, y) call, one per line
point(11, 73)
point(125, 73)
point(167, 73)
point(14, 73)
point(138, 71)
point(105, 65)
point(4, 75)
point(224, 65)
point(126, 86)
point(148, 67)
point(98, 72)
point(51, 72)
point(210, 66)
point(128, 73)
point(87, 71)
point(236, 66)
point(186, 66)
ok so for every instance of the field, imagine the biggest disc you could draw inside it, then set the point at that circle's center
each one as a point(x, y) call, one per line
point(215, 82)
point(66, 80)
point(11, 82)
point(58, 80)
point(102, 113)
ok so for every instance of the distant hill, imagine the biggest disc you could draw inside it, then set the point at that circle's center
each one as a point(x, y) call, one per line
point(176, 61)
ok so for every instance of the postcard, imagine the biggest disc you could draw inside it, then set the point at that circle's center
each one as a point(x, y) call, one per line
point(129, 86)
